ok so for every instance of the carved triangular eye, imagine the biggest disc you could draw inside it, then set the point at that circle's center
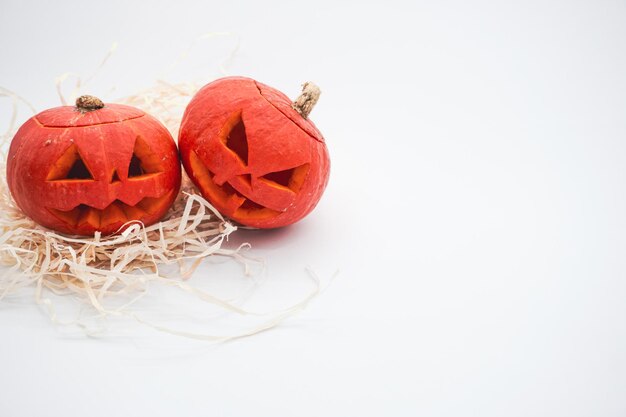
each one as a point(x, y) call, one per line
point(143, 161)
point(79, 171)
point(291, 178)
point(135, 169)
point(237, 141)
point(70, 166)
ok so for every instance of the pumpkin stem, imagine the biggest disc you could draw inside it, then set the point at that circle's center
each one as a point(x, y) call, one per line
point(88, 103)
point(307, 99)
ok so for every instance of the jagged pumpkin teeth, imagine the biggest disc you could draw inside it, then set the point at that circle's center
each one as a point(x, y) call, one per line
point(253, 153)
point(116, 213)
point(133, 212)
point(113, 214)
point(71, 168)
point(89, 217)
point(250, 209)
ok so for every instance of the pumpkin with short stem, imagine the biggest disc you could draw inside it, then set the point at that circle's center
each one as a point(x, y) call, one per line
point(253, 153)
point(93, 167)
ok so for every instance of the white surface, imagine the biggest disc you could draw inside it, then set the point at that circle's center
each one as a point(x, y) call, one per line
point(475, 212)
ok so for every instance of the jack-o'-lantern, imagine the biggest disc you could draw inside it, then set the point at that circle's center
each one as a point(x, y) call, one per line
point(253, 153)
point(93, 167)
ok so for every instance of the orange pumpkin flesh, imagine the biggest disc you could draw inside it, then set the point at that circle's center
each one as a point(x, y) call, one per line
point(79, 171)
point(251, 154)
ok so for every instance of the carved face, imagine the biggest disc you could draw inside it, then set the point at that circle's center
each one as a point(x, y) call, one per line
point(84, 171)
point(251, 155)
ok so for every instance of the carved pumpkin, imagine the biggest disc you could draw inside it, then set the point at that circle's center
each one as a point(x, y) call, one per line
point(256, 158)
point(93, 167)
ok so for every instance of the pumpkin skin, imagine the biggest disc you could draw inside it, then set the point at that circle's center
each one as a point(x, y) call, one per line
point(254, 157)
point(81, 171)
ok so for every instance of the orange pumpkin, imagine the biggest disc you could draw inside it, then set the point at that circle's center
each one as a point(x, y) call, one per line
point(253, 154)
point(93, 167)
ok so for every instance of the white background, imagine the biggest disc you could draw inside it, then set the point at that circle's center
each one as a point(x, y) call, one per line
point(476, 212)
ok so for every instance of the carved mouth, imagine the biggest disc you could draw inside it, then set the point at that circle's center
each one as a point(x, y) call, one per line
point(283, 186)
point(117, 212)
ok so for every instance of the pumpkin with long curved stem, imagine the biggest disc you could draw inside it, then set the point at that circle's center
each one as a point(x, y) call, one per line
point(93, 167)
point(253, 153)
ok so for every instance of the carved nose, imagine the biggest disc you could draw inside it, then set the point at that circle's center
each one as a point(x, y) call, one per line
point(115, 178)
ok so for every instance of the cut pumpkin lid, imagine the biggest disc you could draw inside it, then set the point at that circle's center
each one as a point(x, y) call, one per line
point(283, 104)
point(70, 116)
